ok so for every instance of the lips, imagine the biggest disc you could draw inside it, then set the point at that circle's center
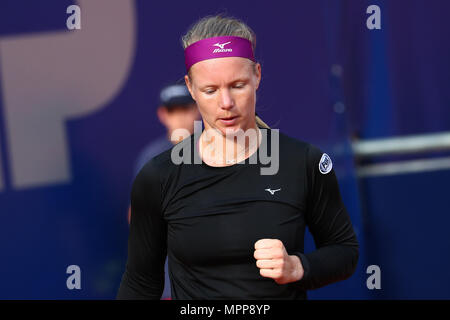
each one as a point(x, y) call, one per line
point(228, 120)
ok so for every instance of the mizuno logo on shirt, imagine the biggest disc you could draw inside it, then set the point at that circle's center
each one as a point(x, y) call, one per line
point(272, 191)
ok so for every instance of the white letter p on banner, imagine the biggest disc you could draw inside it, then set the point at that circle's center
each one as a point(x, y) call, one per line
point(51, 78)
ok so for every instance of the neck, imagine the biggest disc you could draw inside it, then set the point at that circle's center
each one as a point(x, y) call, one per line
point(220, 149)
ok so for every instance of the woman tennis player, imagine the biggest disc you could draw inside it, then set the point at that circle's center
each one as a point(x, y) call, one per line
point(229, 231)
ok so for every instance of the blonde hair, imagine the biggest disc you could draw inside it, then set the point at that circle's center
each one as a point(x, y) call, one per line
point(217, 26)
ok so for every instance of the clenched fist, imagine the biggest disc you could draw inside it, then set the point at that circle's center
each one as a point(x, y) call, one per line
point(274, 262)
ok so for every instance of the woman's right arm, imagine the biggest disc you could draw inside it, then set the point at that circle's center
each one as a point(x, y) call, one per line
point(147, 242)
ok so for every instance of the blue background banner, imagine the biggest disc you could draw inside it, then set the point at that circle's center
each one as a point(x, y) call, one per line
point(78, 106)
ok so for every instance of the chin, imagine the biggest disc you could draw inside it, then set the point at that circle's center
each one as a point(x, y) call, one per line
point(231, 129)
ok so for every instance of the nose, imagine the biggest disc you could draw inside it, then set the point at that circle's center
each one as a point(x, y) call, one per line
point(226, 100)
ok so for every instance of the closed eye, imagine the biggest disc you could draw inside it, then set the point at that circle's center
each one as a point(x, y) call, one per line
point(210, 91)
point(239, 85)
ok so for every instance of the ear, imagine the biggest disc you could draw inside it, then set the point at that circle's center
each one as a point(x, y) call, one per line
point(258, 74)
point(189, 86)
point(161, 112)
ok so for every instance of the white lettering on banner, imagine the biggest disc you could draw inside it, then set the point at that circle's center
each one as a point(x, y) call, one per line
point(74, 20)
point(374, 281)
point(374, 20)
point(51, 78)
point(74, 280)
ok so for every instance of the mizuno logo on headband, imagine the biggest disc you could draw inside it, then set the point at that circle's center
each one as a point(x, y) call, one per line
point(221, 46)
point(218, 47)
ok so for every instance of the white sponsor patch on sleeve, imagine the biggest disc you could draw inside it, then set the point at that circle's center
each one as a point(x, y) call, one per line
point(325, 164)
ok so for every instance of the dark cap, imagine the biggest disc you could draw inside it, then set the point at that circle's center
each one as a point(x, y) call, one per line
point(175, 95)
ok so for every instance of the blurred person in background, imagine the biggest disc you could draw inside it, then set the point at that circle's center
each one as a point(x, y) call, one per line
point(177, 110)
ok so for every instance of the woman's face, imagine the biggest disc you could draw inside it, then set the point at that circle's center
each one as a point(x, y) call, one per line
point(225, 92)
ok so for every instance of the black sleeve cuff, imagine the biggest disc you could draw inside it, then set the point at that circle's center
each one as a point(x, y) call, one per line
point(306, 269)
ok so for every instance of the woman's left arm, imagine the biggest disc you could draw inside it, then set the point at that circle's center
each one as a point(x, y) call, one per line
point(337, 249)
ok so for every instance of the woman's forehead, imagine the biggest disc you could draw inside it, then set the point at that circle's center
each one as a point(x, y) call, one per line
point(221, 70)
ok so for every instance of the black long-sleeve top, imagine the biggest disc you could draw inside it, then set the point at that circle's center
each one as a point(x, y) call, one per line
point(207, 219)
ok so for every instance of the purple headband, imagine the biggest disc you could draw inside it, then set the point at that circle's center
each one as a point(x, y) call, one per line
point(217, 47)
